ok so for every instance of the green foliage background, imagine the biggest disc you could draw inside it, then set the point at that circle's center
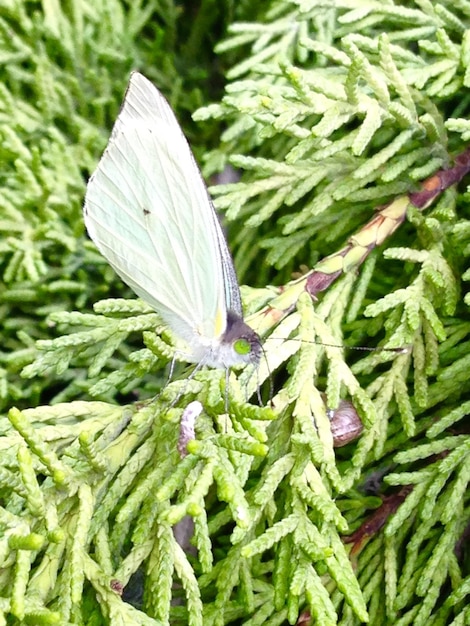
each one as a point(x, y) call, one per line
point(328, 110)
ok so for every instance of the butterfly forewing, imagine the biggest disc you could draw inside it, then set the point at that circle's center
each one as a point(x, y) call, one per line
point(148, 211)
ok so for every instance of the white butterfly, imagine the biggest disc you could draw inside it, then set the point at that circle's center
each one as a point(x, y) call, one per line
point(149, 213)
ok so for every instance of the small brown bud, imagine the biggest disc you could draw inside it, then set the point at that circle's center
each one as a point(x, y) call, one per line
point(345, 424)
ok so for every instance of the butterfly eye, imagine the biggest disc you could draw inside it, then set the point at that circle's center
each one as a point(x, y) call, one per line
point(242, 346)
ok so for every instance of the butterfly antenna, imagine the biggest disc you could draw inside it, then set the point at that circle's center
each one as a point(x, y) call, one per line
point(400, 350)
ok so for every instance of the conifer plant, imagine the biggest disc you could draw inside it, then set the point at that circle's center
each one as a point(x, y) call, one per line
point(341, 497)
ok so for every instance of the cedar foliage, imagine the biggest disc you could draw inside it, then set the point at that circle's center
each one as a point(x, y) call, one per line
point(328, 110)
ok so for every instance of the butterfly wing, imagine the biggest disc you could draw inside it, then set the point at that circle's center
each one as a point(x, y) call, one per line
point(148, 211)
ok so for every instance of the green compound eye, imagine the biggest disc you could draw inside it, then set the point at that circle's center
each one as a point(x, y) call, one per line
point(242, 346)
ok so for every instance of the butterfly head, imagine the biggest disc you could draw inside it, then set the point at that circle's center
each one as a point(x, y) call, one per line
point(238, 344)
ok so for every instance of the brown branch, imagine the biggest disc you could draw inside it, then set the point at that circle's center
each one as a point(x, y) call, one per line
point(384, 223)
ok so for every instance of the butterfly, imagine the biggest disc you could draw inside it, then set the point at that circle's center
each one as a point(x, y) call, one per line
point(149, 213)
